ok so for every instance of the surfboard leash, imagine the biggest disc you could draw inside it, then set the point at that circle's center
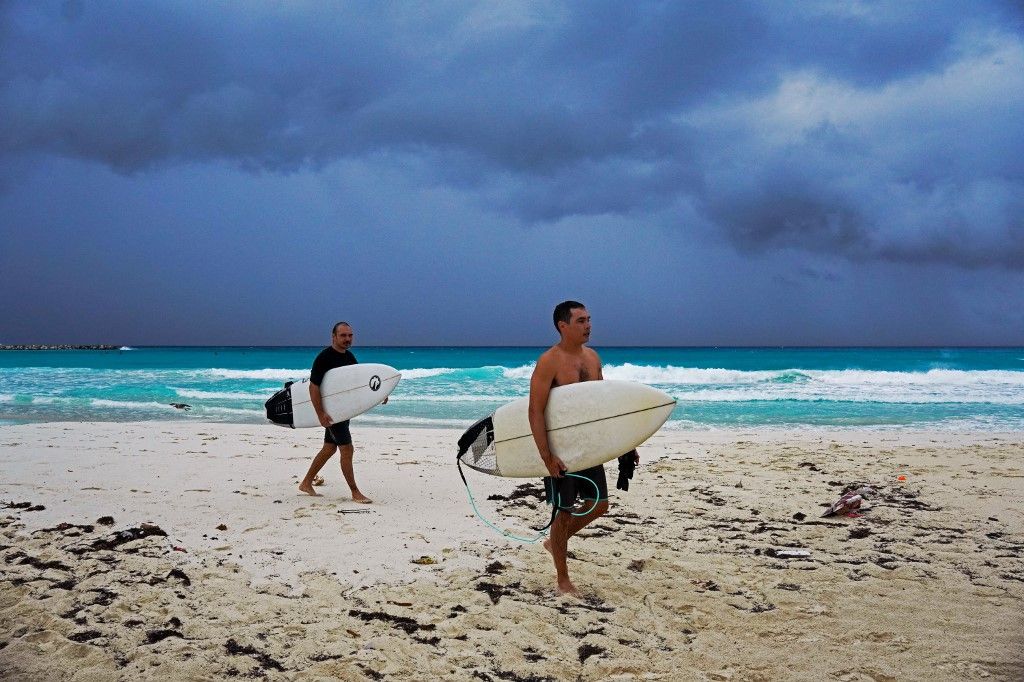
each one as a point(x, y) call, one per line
point(542, 531)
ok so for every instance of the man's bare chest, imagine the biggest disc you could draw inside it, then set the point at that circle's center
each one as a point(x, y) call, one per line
point(575, 372)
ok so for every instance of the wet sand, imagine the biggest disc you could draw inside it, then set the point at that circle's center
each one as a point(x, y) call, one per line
point(183, 551)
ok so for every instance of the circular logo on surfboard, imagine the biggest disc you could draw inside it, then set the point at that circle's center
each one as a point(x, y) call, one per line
point(374, 382)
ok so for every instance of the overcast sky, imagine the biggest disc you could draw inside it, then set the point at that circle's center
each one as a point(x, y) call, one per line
point(698, 173)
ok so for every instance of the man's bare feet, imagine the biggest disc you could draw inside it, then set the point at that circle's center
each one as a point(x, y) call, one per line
point(308, 489)
point(567, 589)
point(361, 498)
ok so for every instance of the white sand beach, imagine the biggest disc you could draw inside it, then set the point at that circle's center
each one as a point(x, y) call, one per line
point(184, 551)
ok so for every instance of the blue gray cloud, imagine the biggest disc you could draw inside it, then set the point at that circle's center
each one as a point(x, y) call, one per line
point(887, 131)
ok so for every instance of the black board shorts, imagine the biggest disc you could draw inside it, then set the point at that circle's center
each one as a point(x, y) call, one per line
point(568, 488)
point(338, 434)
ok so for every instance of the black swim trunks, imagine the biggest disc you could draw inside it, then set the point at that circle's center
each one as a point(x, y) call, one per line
point(338, 434)
point(568, 488)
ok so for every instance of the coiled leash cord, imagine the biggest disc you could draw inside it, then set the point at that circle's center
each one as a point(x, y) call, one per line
point(543, 531)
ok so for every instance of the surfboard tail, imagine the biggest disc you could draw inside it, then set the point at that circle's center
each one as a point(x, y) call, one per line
point(279, 407)
point(476, 447)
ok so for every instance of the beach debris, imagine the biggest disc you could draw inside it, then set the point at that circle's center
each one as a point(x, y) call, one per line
point(709, 585)
point(847, 505)
point(318, 480)
point(850, 502)
point(177, 574)
point(266, 662)
point(181, 406)
point(20, 557)
point(27, 506)
point(222, 527)
point(424, 560)
point(496, 591)
point(790, 554)
point(105, 521)
point(636, 565)
point(154, 636)
point(587, 650)
point(121, 537)
point(64, 527)
point(404, 623)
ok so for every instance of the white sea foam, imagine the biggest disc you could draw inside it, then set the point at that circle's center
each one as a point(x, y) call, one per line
point(130, 404)
point(126, 348)
point(902, 396)
point(219, 395)
point(522, 372)
point(647, 374)
point(653, 374)
point(440, 423)
point(44, 400)
point(790, 428)
point(716, 376)
point(268, 374)
point(691, 384)
point(205, 409)
point(6, 398)
point(464, 398)
point(425, 372)
point(931, 377)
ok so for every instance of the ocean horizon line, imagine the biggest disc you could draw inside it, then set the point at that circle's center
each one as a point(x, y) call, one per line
point(117, 347)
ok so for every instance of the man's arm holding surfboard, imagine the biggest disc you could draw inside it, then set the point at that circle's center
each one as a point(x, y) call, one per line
point(318, 405)
point(540, 389)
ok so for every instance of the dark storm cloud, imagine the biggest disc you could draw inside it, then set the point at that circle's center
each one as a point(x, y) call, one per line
point(877, 131)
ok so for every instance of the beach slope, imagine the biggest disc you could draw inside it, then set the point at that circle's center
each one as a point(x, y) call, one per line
point(183, 551)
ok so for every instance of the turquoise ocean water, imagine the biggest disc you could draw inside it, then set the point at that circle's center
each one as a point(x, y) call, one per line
point(945, 388)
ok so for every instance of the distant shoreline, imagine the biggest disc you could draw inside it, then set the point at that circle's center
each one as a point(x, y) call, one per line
point(61, 346)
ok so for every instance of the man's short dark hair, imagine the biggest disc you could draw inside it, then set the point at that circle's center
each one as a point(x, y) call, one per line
point(563, 311)
point(334, 329)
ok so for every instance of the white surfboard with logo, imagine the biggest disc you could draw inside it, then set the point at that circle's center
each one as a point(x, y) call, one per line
point(346, 392)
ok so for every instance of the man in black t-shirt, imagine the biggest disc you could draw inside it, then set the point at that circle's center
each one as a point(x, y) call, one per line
point(336, 435)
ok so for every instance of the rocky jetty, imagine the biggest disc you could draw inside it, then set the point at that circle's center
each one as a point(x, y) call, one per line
point(60, 346)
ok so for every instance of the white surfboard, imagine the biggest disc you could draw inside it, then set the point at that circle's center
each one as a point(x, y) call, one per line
point(589, 423)
point(346, 392)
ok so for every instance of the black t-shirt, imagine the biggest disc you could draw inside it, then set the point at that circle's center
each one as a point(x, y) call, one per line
point(329, 359)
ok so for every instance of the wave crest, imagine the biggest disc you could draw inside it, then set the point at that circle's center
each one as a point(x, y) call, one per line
point(267, 374)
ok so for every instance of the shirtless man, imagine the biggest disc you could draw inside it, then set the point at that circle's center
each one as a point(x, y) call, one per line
point(567, 362)
point(336, 436)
